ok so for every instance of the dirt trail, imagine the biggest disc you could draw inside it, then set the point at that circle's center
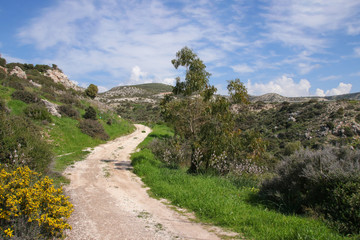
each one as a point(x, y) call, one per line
point(111, 202)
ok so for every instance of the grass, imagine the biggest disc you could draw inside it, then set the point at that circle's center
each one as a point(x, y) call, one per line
point(69, 142)
point(222, 202)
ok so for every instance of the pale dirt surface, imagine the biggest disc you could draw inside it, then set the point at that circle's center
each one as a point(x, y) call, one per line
point(110, 202)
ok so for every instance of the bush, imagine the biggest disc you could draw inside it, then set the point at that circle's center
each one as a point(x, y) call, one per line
point(69, 99)
point(31, 208)
point(42, 68)
point(90, 113)
point(91, 91)
point(69, 111)
point(25, 96)
point(2, 62)
point(326, 181)
point(37, 112)
point(22, 144)
point(2, 74)
point(93, 128)
point(292, 147)
point(357, 118)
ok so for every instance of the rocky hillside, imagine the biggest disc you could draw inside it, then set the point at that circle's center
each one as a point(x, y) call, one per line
point(143, 93)
point(273, 98)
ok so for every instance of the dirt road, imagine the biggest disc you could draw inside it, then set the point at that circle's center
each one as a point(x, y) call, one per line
point(111, 202)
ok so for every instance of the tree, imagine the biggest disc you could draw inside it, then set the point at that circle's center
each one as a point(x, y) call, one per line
point(92, 91)
point(237, 91)
point(90, 113)
point(196, 77)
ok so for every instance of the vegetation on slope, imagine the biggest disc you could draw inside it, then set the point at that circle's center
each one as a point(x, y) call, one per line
point(34, 142)
point(230, 202)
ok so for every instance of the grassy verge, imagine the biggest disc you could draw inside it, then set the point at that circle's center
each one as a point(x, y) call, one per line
point(222, 202)
point(69, 142)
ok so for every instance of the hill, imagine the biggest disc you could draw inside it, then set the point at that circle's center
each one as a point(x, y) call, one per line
point(47, 121)
point(274, 97)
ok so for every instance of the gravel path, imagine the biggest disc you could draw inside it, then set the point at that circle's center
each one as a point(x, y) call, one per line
point(111, 202)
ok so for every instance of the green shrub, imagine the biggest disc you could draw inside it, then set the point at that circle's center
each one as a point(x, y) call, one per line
point(25, 96)
point(357, 118)
point(2, 74)
point(292, 147)
point(37, 112)
point(22, 144)
point(90, 113)
point(326, 181)
point(2, 62)
point(69, 99)
point(93, 128)
point(91, 91)
point(42, 67)
point(69, 111)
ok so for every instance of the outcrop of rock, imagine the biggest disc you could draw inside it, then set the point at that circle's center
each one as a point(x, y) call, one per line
point(18, 72)
point(4, 69)
point(60, 77)
point(52, 108)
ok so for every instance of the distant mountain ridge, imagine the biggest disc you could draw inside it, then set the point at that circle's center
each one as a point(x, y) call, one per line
point(274, 97)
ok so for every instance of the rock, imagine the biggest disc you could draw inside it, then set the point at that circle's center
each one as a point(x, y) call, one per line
point(34, 83)
point(51, 107)
point(18, 72)
point(4, 69)
point(59, 77)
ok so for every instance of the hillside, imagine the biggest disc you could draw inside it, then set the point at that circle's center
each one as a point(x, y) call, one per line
point(51, 118)
point(274, 97)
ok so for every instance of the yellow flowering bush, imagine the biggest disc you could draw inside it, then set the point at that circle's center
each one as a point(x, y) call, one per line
point(31, 207)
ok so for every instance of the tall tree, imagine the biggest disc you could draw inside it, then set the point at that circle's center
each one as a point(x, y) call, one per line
point(196, 77)
point(237, 91)
point(92, 91)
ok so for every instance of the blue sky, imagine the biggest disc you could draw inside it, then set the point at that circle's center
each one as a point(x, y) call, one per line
point(291, 47)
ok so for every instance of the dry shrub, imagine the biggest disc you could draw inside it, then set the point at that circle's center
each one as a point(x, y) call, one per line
point(25, 96)
point(326, 181)
point(69, 111)
point(93, 128)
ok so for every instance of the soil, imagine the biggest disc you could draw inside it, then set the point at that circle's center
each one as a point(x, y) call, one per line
point(111, 202)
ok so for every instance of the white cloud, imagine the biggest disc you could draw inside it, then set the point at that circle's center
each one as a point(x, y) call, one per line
point(113, 36)
point(102, 89)
point(357, 52)
point(320, 93)
point(284, 86)
point(305, 23)
point(242, 68)
point(343, 88)
point(306, 67)
point(137, 76)
point(331, 77)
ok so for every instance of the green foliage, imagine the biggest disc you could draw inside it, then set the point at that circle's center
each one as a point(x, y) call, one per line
point(227, 202)
point(196, 77)
point(326, 181)
point(37, 112)
point(11, 66)
point(22, 144)
point(357, 118)
point(91, 91)
point(93, 128)
point(25, 96)
point(237, 91)
point(2, 62)
point(42, 67)
point(140, 113)
point(292, 147)
point(90, 113)
point(2, 74)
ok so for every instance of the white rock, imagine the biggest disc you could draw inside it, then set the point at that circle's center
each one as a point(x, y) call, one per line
point(18, 72)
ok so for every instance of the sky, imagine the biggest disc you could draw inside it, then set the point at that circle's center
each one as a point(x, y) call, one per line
point(289, 47)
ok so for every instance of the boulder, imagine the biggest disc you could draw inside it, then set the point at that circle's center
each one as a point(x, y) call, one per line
point(18, 72)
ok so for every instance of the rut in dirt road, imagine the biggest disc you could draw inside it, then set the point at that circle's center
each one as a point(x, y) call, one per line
point(110, 202)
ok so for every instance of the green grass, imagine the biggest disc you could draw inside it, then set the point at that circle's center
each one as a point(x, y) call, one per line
point(69, 142)
point(17, 107)
point(221, 202)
